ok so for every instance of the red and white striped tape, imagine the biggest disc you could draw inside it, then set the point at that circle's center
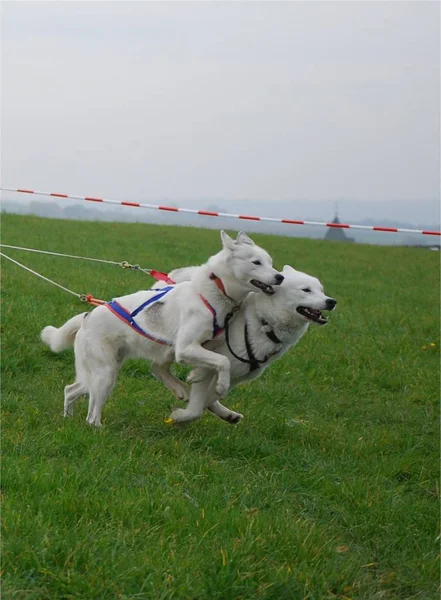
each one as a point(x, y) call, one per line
point(207, 213)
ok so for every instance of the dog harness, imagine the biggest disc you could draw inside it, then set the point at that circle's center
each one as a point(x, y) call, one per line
point(252, 360)
point(129, 317)
point(217, 329)
point(218, 281)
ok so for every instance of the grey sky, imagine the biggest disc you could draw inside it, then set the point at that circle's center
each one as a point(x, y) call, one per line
point(209, 100)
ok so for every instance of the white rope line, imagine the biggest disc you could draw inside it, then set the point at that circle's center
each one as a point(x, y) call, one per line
point(80, 296)
point(59, 254)
point(123, 263)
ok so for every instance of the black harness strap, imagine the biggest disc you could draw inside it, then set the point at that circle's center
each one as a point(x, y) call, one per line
point(251, 360)
point(254, 363)
point(270, 334)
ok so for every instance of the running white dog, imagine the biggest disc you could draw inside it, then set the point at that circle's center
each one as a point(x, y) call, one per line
point(181, 317)
point(262, 331)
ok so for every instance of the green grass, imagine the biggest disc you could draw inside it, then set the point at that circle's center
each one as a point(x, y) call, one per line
point(327, 489)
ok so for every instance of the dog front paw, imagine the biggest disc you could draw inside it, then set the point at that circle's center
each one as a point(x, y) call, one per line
point(182, 415)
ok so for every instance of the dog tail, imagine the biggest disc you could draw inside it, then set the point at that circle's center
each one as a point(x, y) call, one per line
point(63, 337)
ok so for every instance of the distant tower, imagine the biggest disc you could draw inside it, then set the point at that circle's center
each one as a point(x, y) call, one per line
point(336, 234)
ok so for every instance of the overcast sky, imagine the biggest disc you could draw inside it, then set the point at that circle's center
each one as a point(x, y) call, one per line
point(208, 100)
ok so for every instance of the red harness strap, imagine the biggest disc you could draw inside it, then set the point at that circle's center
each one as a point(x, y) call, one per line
point(218, 281)
point(217, 329)
point(162, 277)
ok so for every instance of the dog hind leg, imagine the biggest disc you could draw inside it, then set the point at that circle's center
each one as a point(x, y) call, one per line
point(176, 386)
point(71, 394)
point(100, 388)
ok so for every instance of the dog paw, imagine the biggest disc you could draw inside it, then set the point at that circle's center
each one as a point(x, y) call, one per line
point(233, 418)
point(176, 416)
point(182, 391)
point(181, 415)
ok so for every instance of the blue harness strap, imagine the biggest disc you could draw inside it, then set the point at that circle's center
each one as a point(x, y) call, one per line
point(128, 318)
point(122, 313)
point(162, 292)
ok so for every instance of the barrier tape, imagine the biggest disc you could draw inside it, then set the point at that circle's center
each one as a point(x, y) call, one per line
point(207, 213)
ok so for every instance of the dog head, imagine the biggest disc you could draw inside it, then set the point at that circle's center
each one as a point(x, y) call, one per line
point(249, 264)
point(303, 296)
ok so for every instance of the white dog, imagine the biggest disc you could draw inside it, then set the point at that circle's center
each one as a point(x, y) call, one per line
point(163, 325)
point(262, 331)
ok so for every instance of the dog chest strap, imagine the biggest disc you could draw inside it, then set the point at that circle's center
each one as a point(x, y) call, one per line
point(270, 334)
point(218, 281)
point(254, 363)
point(251, 360)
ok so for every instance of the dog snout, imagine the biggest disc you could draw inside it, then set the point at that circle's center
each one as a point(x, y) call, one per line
point(330, 303)
point(279, 278)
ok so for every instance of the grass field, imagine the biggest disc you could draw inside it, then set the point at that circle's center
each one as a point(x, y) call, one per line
point(327, 490)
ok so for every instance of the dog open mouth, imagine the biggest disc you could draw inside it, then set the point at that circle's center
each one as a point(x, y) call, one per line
point(266, 289)
point(313, 314)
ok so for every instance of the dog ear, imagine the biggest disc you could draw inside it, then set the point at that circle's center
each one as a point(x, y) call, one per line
point(227, 242)
point(242, 238)
point(288, 268)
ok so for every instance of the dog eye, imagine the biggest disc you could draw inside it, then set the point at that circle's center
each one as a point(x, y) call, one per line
point(306, 289)
point(256, 262)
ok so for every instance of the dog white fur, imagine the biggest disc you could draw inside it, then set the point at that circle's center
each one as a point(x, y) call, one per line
point(102, 341)
point(285, 316)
